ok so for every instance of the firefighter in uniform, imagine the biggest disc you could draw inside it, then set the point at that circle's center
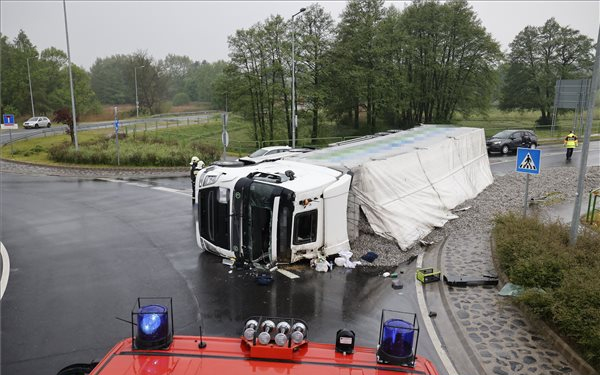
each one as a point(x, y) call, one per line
point(195, 165)
point(570, 143)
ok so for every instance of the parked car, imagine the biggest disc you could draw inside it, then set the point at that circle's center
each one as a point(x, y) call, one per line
point(271, 153)
point(509, 140)
point(37, 122)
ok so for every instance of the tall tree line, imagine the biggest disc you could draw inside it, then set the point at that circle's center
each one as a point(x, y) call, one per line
point(377, 66)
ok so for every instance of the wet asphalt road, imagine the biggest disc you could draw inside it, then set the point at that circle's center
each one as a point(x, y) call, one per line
point(81, 252)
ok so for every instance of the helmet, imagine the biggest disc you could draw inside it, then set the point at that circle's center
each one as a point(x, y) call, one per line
point(194, 160)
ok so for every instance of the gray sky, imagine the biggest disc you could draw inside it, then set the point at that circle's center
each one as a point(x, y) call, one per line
point(199, 29)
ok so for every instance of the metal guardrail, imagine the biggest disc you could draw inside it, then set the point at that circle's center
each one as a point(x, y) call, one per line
point(589, 217)
point(148, 123)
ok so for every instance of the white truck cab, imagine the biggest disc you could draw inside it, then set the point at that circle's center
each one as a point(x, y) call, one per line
point(275, 212)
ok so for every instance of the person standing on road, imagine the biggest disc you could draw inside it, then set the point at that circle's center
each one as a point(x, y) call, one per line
point(570, 143)
point(195, 165)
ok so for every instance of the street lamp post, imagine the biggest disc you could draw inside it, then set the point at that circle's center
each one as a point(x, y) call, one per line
point(294, 120)
point(71, 80)
point(137, 103)
point(30, 89)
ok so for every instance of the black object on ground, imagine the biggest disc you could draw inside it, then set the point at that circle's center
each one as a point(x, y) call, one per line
point(464, 281)
point(432, 314)
point(369, 257)
point(397, 284)
point(264, 279)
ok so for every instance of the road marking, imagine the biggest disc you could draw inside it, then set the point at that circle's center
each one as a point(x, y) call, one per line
point(429, 325)
point(170, 190)
point(289, 274)
point(5, 269)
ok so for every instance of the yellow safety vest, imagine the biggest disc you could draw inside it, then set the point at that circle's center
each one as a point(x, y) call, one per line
point(571, 140)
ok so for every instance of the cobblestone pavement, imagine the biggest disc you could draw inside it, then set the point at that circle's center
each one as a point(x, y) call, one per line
point(496, 331)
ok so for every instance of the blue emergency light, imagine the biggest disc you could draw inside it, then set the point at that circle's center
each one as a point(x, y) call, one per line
point(154, 331)
point(398, 338)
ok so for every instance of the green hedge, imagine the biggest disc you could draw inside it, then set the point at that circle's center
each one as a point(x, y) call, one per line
point(564, 289)
point(133, 151)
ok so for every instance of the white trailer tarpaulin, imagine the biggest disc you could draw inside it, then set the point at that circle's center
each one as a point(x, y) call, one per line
point(408, 182)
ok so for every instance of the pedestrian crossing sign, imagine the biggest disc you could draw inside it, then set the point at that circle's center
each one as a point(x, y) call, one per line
point(528, 160)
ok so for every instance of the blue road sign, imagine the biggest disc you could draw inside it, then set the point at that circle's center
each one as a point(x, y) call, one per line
point(528, 160)
point(8, 119)
point(116, 125)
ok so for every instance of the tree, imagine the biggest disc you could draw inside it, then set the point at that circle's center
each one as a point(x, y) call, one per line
point(49, 79)
point(111, 80)
point(539, 57)
point(355, 61)
point(450, 61)
point(176, 69)
point(315, 38)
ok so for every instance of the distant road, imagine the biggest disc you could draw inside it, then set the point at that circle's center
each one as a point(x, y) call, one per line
point(552, 156)
point(22, 133)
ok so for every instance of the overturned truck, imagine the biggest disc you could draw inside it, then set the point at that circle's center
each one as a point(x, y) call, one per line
point(405, 182)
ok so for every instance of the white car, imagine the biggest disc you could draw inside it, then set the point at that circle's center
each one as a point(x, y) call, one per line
point(265, 153)
point(271, 153)
point(37, 122)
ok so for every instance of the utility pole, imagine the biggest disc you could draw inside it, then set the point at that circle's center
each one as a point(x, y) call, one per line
point(586, 146)
point(71, 80)
point(30, 89)
point(294, 120)
point(137, 103)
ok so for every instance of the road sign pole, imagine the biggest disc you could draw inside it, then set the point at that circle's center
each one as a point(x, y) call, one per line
point(117, 136)
point(586, 146)
point(526, 195)
point(10, 137)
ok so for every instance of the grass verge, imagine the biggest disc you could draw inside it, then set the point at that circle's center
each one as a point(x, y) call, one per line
point(561, 281)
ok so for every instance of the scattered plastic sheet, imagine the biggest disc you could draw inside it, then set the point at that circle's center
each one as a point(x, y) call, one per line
point(511, 290)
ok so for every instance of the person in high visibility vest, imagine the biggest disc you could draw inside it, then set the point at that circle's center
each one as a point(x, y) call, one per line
point(195, 165)
point(570, 143)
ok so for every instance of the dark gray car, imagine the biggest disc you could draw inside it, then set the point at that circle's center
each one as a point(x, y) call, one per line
point(508, 141)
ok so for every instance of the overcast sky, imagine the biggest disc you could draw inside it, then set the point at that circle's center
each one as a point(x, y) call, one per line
point(199, 29)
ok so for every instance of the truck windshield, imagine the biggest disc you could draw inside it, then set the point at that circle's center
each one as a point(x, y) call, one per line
point(258, 214)
point(213, 217)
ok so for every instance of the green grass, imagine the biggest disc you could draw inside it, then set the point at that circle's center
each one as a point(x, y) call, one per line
point(562, 280)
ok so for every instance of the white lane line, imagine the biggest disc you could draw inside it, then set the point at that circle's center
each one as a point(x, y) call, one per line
point(5, 269)
point(289, 274)
point(170, 190)
point(139, 184)
point(110, 180)
point(429, 325)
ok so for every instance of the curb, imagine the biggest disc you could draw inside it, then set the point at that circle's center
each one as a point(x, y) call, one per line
point(540, 326)
point(91, 172)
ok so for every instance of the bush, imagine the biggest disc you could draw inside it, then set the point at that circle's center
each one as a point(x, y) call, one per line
point(563, 284)
point(142, 151)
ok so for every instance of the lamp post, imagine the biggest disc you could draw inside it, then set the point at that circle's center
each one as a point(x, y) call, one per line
point(137, 103)
point(294, 120)
point(71, 80)
point(30, 89)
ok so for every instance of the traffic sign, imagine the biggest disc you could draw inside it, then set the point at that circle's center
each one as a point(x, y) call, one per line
point(116, 125)
point(8, 119)
point(8, 122)
point(528, 160)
